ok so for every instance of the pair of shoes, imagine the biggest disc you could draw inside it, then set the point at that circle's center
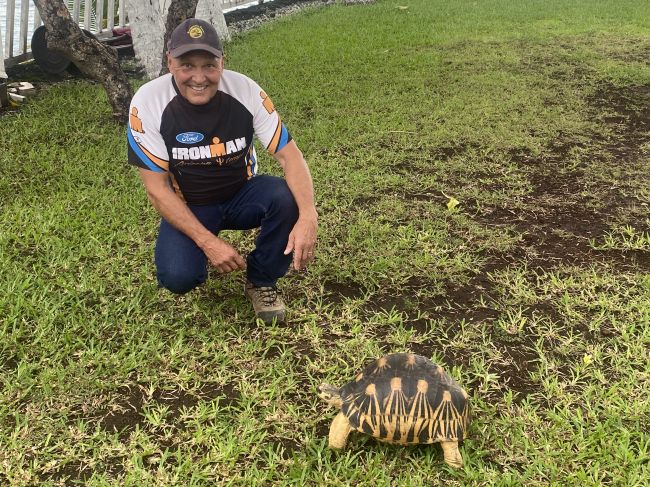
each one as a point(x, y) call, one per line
point(267, 303)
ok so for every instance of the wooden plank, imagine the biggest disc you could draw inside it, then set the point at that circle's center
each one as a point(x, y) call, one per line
point(24, 23)
point(3, 75)
point(9, 35)
point(88, 6)
point(17, 59)
point(37, 19)
point(111, 15)
point(75, 10)
point(122, 13)
point(100, 16)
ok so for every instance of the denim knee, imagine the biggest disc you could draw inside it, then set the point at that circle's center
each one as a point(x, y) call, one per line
point(181, 282)
point(284, 201)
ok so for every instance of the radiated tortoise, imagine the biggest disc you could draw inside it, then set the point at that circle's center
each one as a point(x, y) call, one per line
point(404, 399)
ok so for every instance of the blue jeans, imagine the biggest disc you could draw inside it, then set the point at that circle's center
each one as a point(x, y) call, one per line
point(265, 202)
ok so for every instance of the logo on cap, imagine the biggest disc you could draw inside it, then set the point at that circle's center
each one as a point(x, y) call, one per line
point(195, 31)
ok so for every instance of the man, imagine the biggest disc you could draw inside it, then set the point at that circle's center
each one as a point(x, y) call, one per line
point(191, 136)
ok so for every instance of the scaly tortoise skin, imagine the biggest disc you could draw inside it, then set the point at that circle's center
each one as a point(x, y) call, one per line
point(404, 399)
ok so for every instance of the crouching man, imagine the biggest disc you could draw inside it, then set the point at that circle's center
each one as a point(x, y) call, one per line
point(191, 136)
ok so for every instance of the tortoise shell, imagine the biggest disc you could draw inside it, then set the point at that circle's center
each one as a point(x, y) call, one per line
point(406, 399)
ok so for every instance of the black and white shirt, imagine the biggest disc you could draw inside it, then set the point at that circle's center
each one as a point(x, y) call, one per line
point(207, 150)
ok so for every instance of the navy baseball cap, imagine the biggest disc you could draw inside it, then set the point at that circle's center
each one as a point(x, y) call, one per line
point(194, 35)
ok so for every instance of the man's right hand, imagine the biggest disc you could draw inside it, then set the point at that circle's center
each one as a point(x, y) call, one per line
point(222, 255)
point(219, 252)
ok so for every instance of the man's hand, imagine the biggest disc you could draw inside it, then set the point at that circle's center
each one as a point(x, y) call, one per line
point(302, 241)
point(222, 255)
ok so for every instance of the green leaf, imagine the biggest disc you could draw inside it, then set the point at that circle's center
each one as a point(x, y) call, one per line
point(452, 203)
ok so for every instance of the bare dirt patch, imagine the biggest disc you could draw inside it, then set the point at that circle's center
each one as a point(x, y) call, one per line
point(71, 471)
point(10, 363)
point(567, 208)
point(128, 413)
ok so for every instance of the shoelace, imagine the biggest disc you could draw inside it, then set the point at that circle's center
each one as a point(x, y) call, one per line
point(268, 295)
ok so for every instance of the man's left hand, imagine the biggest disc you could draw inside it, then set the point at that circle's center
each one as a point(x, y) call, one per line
point(302, 242)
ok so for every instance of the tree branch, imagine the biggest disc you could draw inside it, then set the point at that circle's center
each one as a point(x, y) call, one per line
point(94, 59)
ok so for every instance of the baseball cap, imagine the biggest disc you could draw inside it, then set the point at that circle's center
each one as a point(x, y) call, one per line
point(194, 35)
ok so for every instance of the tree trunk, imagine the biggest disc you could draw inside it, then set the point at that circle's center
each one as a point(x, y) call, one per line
point(145, 19)
point(150, 31)
point(179, 10)
point(95, 60)
point(212, 11)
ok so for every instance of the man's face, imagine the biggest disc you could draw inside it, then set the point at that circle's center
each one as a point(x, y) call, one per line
point(197, 75)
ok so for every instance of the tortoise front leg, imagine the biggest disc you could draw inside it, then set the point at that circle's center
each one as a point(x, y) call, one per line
point(339, 431)
point(452, 455)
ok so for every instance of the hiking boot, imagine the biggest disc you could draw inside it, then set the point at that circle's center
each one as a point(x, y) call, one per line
point(267, 303)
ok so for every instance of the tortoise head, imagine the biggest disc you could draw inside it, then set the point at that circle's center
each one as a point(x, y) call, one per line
point(330, 394)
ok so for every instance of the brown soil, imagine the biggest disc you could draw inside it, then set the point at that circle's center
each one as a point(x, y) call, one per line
point(128, 413)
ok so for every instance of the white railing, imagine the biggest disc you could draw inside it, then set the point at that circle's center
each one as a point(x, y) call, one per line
point(227, 4)
point(19, 19)
point(89, 14)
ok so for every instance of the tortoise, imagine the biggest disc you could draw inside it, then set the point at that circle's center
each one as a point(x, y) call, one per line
point(401, 398)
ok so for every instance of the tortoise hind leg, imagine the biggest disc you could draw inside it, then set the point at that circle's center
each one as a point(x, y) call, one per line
point(452, 455)
point(339, 431)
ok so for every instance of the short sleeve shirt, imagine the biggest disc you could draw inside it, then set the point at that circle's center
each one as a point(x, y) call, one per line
point(207, 150)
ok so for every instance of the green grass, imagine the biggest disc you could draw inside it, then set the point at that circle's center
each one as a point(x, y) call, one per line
point(533, 292)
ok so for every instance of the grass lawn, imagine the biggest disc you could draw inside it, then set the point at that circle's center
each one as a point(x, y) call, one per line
point(533, 291)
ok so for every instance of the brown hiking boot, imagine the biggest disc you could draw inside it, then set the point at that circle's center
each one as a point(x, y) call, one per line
point(267, 303)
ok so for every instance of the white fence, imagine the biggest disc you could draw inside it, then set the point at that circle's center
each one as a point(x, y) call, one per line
point(19, 19)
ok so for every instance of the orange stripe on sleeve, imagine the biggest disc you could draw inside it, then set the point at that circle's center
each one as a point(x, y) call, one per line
point(156, 160)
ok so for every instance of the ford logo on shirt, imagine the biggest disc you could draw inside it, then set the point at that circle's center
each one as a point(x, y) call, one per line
point(189, 137)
